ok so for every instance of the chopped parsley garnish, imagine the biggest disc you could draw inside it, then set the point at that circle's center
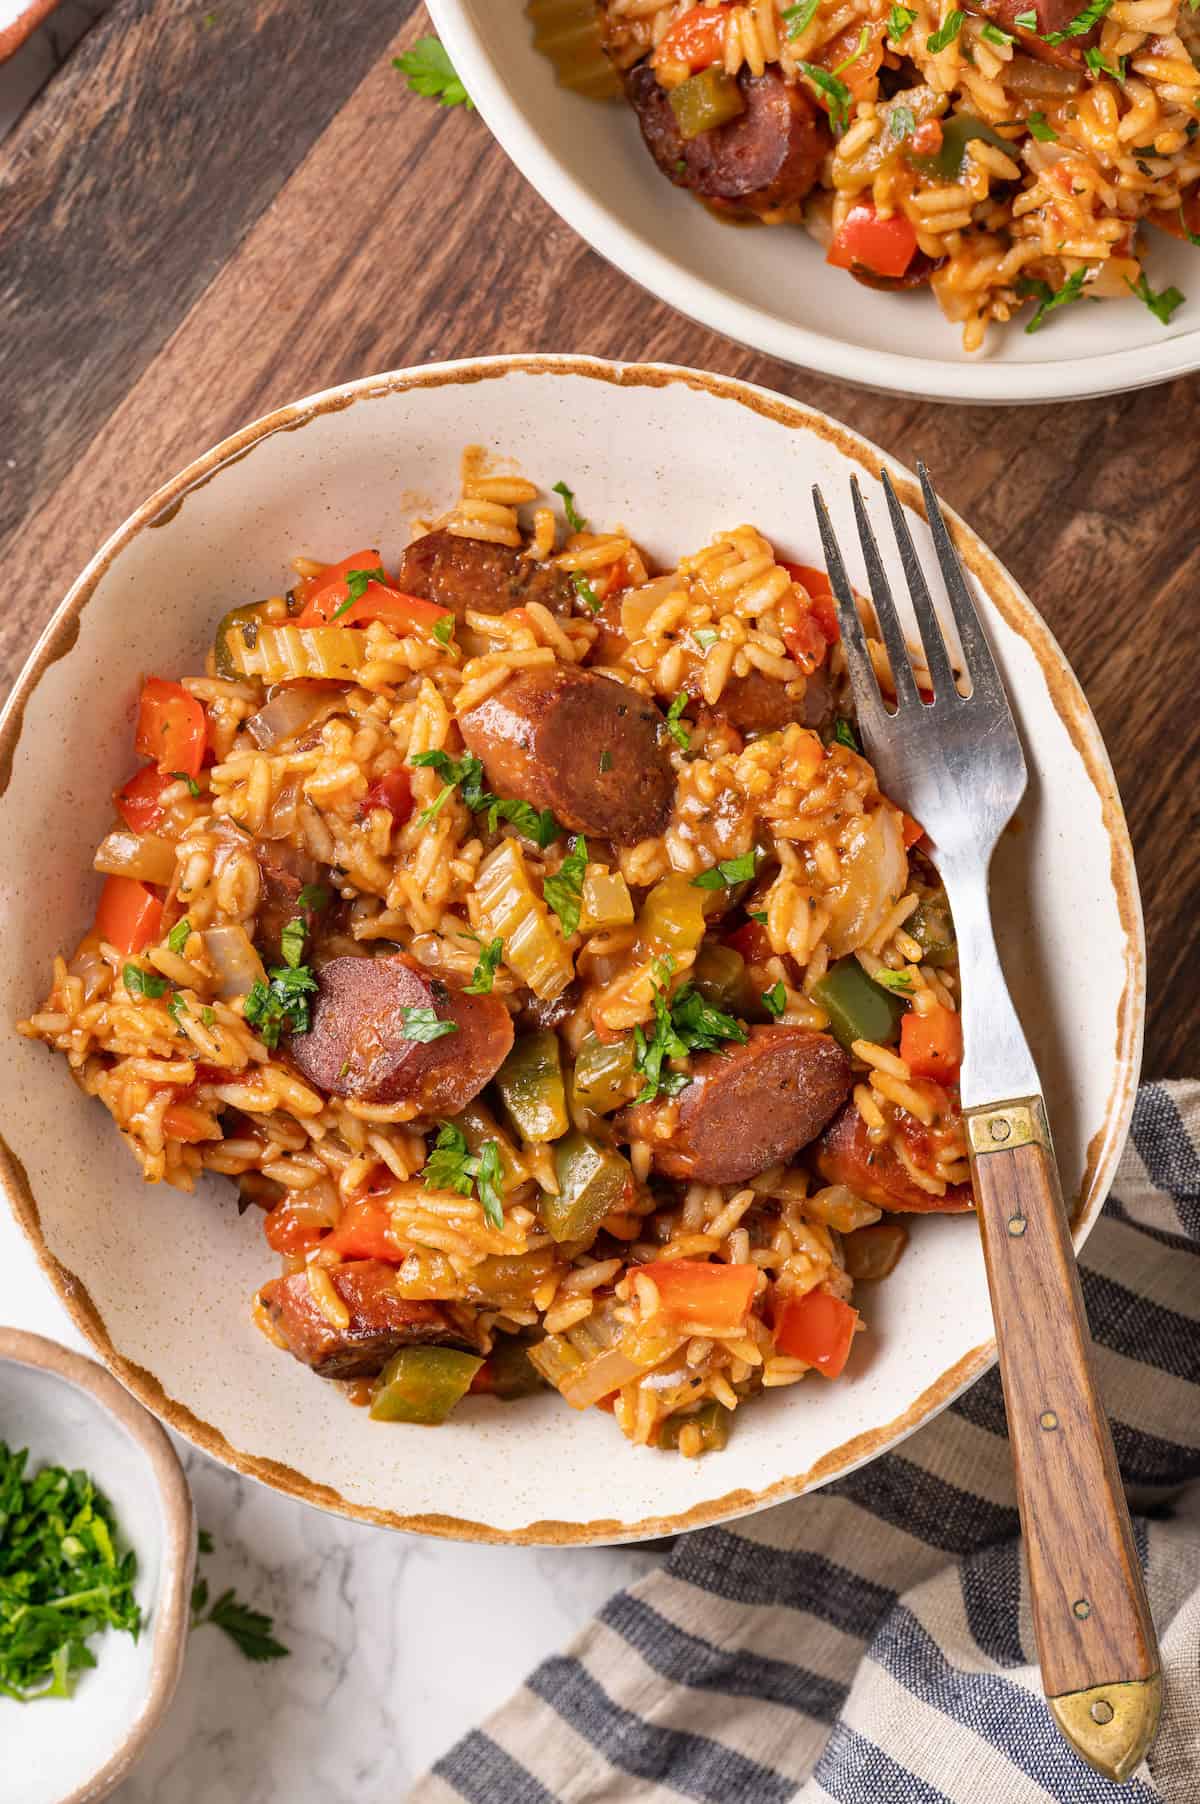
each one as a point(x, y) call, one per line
point(946, 33)
point(1050, 298)
point(208, 1016)
point(1192, 237)
point(1042, 130)
point(1026, 21)
point(1098, 66)
point(443, 629)
point(1081, 24)
point(900, 20)
point(291, 942)
point(706, 637)
point(837, 94)
point(356, 588)
point(675, 726)
point(249, 1630)
point(901, 123)
point(728, 872)
point(280, 1004)
point(575, 519)
point(606, 762)
point(1163, 306)
point(683, 1025)
point(176, 1006)
point(563, 892)
point(757, 914)
point(799, 18)
point(61, 1578)
point(179, 935)
point(897, 981)
point(844, 734)
point(992, 34)
point(585, 592)
point(485, 970)
point(422, 1025)
point(775, 999)
point(430, 72)
point(142, 983)
point(452, 1166)
point(181, 776)
point(466, 774)
point(313, 898)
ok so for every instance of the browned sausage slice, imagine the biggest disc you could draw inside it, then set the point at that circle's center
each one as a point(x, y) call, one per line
point(767, 158)
point(283, 872)
point(359, 1042)
point(582, 745)
point(1052, 15)
point(380, 1321)
point(747, 1108)
point(489, 579)
point(757, 703)
point(847, 1155)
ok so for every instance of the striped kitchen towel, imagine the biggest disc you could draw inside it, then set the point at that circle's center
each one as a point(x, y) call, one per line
point(872, 1642)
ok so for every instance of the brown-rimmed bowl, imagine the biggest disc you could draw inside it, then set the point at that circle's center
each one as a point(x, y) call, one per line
point(161, 1283)
point(68, 1411)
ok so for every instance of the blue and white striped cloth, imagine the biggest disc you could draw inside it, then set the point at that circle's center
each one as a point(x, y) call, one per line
point(872, 1643)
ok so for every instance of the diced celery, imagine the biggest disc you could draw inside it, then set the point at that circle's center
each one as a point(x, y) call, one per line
point(604, 1074)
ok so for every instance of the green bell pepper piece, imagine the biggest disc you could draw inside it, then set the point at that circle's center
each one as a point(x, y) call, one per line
point(932, 928)
point(592, 1180)
point(712, 1419)
point(857, 1008)
point(945, 163)
point(531, 1087)
point(507, 1371)
point(422, 1384)
point(604, 1074)
point(706, 101)
point(719, 974)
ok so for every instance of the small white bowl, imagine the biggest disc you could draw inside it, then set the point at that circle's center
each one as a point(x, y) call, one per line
point(69, 1412)
point(770, 287)
point(162, 1282)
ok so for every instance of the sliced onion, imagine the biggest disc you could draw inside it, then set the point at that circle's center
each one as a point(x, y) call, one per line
point(235, 962)
point(292, 708)
point(142, 855)
point(637, 605)
point(874, 877)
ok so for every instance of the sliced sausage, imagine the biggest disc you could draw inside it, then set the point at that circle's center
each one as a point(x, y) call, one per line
point(847, 1155)
point(746, 1108)
point(765, 159)
point(756, 703)
point(283, 872)
point(582, 745)
point(359, 1044)
point(1052, 15)
point(920, 270)
point(380, 1321)
point(489, 579)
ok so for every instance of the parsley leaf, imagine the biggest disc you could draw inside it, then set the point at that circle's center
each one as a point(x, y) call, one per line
point(249, 1630)
point(575, 520)
point(1192, 237)
point(775, 999)
point(1041, 129)
point(176, 1006)
point(280, 1004)
point(204, 1541)
point(728, 872)
point(837, 94)
point(467, 774)
point(291, 942)
point(585, 592)
point(313, 898)
point(675, 726)
point(606, 761)
point(142, 983)
point(1026, 21)
point(452, 1166)
point(485, 970)
point(757, 914)
point(537, 824)
point(1098, 66)
point(901, 123)
point(683, 1025)
point(62, 1580)
point(799, 18)
point(181, 776)
point(179, 935)
point(422, 1025)
point(430, 72)
point(705, 637)
point(1163, 306)
point(844, 734)
point(900, 20)
point(1050, 298)
point(1081, 24)
point(563, 892)
point(946, 33)
point(897, 981)
point(356, 588)
point(443, 629)
point(992, 34)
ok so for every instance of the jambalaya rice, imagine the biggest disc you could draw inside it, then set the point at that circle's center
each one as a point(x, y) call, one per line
point(526, 939)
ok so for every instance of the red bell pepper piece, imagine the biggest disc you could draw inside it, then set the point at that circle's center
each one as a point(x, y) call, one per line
point(696, 40)
point(171, 728)
point(392, 791)
point(139, 803)
point(365, 1232)
point(129, 914)
point(931, 1045)
point(328, 601)
point(718, 1296)
point(886, 247)
point(817, 1328)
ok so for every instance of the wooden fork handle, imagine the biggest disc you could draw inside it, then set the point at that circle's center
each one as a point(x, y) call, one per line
point(1096, 1643)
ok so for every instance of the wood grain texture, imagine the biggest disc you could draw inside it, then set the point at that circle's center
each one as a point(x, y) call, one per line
point(1089, 1608)
point(200, 278)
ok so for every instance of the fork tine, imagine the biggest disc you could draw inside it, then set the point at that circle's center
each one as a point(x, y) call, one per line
point(867, 699)
point(928, 625)
point(981, 666)
point(885, 608)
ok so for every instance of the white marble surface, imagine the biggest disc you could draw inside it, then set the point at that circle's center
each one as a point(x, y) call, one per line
point(399, 1643)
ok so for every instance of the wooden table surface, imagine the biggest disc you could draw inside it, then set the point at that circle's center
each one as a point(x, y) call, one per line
point(216, 208)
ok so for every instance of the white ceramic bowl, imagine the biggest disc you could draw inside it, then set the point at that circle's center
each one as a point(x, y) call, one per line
point(771, 287)
point(161, 1282)
point(69, 1412)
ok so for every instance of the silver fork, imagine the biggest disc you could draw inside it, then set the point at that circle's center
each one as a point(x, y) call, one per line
point(956, 764)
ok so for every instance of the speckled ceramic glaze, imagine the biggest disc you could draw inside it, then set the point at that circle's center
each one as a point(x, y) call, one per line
point(162, 1282)
point(771, 287)
point(69, 1412)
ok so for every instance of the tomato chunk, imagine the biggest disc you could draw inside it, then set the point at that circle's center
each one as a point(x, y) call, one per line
point(886, 247)
point(696, 40)
point(129, 914)
point(171, 728)
point(392, 791)
point(139, 803)
point(719, 1296)
point(818, 1329)
point(931, 1045)
point(365, 1232)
